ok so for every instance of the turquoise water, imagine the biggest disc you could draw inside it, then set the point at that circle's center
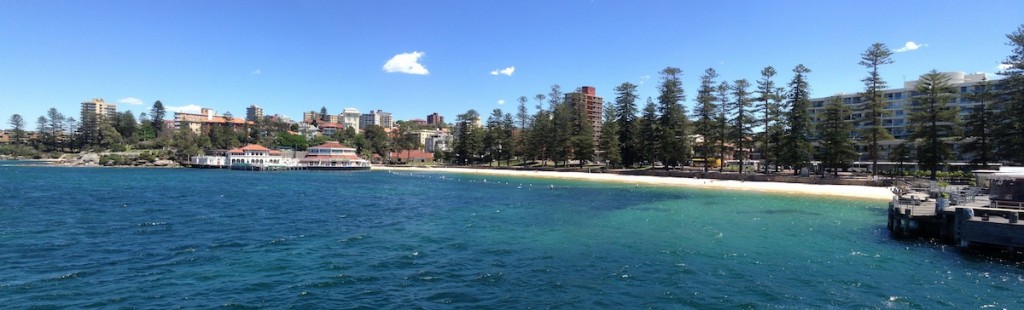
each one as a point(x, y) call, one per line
point(168, 238)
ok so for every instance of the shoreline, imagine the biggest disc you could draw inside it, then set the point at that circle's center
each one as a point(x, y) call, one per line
point(845, 191)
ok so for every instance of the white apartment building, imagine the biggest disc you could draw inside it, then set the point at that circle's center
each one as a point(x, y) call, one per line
point(350, 117)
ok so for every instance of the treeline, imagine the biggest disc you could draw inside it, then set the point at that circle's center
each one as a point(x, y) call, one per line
point(56, 133)
point(726, 114)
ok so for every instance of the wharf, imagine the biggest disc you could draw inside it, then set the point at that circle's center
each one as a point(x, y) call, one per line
point(974, 220)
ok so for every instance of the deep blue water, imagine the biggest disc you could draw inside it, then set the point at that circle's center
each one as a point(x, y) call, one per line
point(181, 238)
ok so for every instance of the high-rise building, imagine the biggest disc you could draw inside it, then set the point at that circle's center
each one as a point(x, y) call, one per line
point(378, 117)
point(587, 96)
point(253, 113)
point(899, 104)
point(96, 109)
point(350, 117)
point(435, 119)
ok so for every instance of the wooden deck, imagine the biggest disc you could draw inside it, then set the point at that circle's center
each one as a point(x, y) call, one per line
point(976, 220)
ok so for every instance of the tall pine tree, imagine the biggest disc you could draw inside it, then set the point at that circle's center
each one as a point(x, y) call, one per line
point(931, 119)
point(797, 141)
point(704, 117)
point(874, 103)
point(1009, 130)
point(837, 151)
point(626, 118)
point(742, 121)
point(673, 125)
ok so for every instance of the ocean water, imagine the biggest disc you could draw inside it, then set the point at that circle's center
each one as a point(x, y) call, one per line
point(182, 238)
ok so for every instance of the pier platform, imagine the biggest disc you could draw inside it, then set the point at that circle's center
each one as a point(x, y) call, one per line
point(974, 220)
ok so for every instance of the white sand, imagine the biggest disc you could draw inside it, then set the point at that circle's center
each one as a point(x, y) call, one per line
point(850, 191)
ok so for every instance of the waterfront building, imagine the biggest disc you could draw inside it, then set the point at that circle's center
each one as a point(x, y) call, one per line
point(333, 156)
point(206, 119)
point(435, 119)
point(5, 137)
point(350, 117)
point(898, 106)
point(592, 103)
point(249, 157)
point(378, 117)
point(253, 113)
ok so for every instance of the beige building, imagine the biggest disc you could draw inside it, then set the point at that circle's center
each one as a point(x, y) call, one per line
point(95, 109)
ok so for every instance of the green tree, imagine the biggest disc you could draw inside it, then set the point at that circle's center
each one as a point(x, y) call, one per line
point(497, 139)
point(295, 142)
point(126, 125)
point(742, 120)
point(978, 134)
point(186, 143)
point(582, 140)
point(874, 107)
point(722, 120)
point(562, 132)
point(55, 128)
point(837, 151)
point(610, 147)
point(797, 142)
point(902, 153)
point(1009, 130)
point(704, 116)
point(523, 120)
point(406, 139)
point(377, 141)
point(768, 103)
point(18, 128)
point(932, 118)
point(673, 126)
point(41, 132)
point(540, 135)
point(625, 115)
point(468, 138)
point(648, 139)
point(158, 112)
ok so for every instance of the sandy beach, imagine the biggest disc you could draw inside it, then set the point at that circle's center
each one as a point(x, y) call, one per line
point(848, 191)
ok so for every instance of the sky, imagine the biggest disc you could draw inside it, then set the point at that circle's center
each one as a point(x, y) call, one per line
point(413, 58)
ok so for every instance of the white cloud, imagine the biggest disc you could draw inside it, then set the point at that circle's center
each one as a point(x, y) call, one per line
point(256, 72)
point(194, 109)
point(501, 101)
point(910, 46)
point(130, 100)
point(507, 71)
point(407, 63)
point(644, 79)
point(1004, 67)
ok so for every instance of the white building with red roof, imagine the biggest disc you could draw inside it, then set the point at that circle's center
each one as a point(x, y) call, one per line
point(249, 157)
point(334, 156)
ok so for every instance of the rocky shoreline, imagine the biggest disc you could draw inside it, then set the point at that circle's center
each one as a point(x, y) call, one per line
point(104, 160)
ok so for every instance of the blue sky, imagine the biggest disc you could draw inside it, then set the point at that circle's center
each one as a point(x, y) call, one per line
point(295, 56)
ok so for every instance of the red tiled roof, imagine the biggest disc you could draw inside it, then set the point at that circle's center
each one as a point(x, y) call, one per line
point(254, 147)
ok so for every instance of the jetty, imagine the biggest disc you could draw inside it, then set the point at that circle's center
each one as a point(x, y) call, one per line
point(965, 216)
